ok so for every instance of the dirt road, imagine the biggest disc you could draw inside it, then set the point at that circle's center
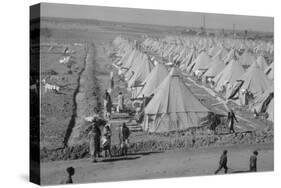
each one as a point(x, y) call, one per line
point(159, 165)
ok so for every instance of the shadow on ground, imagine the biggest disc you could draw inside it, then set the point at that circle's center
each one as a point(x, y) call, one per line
point(113, 159)
point(130, 156)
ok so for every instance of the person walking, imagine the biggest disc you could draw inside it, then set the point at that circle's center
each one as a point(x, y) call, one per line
point(230, 118)
point(223, 163)
point(120, 106)
point(94, 142)
point(253, 161)
point(107, 104)
point(106, 141)
point(124, 134)
point(111, 82)
point(70, 172)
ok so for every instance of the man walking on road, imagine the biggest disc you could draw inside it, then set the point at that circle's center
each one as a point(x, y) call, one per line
point(253, 162)
point(70, 172)
point(223, 162)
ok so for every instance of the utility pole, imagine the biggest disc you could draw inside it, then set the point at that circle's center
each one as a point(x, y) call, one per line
point(233, 30)
point(204, 23)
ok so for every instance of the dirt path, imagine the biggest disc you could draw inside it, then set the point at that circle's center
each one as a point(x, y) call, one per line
point(245, 124)
point(87, 98)
point(160, 165)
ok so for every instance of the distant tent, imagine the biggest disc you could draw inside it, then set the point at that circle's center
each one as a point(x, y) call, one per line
point(132, 66)
point(213, 51)
point(260, 101)
point(190, 66)
point(255, 81)
point(141, 71)
point(216, 67)
point(127, 63)
point(153, 80)
point(270, 111)
point(128, 55)
point(203, 61)
point(187, 61)
point(220, 54)
point(229, 56)
point(228, 76)
point(261, 62)
point(173, 106)
point(270, 71)
point(246, 59)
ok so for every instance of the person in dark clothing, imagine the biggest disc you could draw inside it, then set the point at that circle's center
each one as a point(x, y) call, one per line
point(230, 118)
point(94, 142)
point(70, 172)
point(106, 141)
point(253, 162)
point(124, 134)
point(107, 104)
point(215, 121)
point(223, 162)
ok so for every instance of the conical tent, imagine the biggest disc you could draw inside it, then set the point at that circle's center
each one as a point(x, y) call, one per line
point(203, 61)
point(141, 71)
point(125, 58)
point(213, 50)
point(173, 107)
point(153, 80)
point(270, 111)
point(261, 63)
point(127, 63)
point(229, 56)
point(255, 81)
point(220, 54)
point(232, 72)
point(187, 61)
point(270, 71)
point(216, 67)
point(260, 100)
point(134, 64)
point(246, 59)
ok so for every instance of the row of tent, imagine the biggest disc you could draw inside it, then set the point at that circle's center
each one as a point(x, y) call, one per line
point(173, 106)
point(235, 72)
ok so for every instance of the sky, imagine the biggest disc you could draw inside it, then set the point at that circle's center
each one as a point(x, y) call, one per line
point(159, 17)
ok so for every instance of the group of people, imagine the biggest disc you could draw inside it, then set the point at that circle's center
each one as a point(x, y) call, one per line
point(214, 121)
point(108, 104)
point(223, 162)
point(101, 140)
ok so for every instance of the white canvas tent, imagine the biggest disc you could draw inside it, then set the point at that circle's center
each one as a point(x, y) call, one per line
point(261, 62)
point(255, 81)
point(216, 67)
point(173, 106)
point(153, 80)
point(140, 71)
point(203, 61)
point(270, 71)
point(228, 76)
